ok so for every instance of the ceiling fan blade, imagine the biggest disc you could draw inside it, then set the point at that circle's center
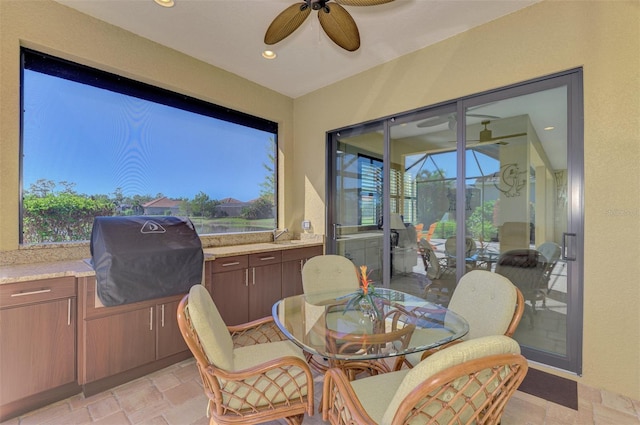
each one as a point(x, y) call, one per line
point(493, 117)
point(362, 2)
point(508, 136)
point(286, 22)
point(432, 121)
point(339, 26)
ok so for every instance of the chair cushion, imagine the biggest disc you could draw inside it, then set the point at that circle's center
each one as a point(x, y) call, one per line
point(374, 394)
point(446, 358)
point(328, 273)
point(213, 333)
point(486, 300)
point(273, 387)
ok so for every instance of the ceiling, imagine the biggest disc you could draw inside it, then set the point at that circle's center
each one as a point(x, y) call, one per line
point(230, 34)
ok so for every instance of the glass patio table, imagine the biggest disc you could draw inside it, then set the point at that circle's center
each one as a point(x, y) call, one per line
point(357, 335)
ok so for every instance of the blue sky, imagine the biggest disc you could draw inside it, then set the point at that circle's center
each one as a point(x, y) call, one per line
point(102, 140)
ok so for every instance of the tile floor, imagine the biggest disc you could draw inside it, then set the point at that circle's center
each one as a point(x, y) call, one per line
point(174, 396)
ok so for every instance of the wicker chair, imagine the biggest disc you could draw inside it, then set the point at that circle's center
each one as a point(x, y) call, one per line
point(442, 277)
point(468, 383)
point(525, 268)
point(250, 373)
point(490, 303)
point(551, 252)
point(326, 273)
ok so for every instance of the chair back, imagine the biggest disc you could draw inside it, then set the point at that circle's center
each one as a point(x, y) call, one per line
point(489, 302)
point(431, 264)
point(466, 383)
point(329, 272)
point(204, 330)
point(551, 251)
point(524, 268)
point(470, 247)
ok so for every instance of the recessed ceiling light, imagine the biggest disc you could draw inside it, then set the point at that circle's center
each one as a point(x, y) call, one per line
point(549, 128)
point(165, 3)
point(269, 54)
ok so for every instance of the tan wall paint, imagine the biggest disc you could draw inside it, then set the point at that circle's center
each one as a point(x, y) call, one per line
point(602, 37)
point(52, 28)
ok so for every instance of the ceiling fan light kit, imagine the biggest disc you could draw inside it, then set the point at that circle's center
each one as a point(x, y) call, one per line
point(334, 19)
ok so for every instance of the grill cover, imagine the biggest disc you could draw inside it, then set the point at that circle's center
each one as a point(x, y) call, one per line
point(139, 258)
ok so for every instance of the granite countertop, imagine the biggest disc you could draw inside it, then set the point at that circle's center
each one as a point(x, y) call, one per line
point(81, 268)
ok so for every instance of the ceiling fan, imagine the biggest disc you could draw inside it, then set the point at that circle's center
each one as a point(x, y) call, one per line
point(451, 118)
point(486, 135)
point(334, 19)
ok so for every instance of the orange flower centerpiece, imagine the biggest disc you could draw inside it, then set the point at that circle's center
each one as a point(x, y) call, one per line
point(363, 298)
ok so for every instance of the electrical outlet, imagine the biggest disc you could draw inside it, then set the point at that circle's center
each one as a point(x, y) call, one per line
point(306, 225)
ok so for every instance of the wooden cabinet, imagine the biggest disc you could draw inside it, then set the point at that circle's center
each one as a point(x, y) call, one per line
point(37, 344)
point(292, 262)
point(169, 340)
point(265, 283)
point(245, 287)
point(230, 288)
point(120, 343)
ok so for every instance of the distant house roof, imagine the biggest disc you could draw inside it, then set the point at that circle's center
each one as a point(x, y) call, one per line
point(163, 202)
point(231, 201)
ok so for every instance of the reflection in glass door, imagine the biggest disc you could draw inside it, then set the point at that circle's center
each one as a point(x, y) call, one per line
point(423, 197)
point(358, 198)
point(516, 212)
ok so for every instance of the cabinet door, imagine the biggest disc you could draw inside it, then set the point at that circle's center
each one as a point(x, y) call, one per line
point(292, 262)
point(37, 348)
point(230, 291)
point(169, 339)
point(265, 290)
point(119, 342)
point(292, 277)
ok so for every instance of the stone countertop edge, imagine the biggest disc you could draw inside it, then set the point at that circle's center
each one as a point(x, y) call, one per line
point(80, 268)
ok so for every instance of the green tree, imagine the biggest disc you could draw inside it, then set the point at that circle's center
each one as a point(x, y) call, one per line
point(269, 184)
point(50, 216)
point(203, 206)
point(260, 208)
point(480, 222)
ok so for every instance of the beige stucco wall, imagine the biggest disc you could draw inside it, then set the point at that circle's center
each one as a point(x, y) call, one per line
point(52, 28)
point(604, 38)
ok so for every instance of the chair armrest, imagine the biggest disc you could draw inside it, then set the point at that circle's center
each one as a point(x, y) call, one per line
point(250, 389)
point(473, 392)
point(340, 405)
point(258, 331)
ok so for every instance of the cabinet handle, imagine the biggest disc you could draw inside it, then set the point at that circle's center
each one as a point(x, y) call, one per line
point(253, 272)
point(69, 312)
point(162, 316)
point(235, 263)
point(267, 258)
point(246, 277)
point(22, 294)
point(301, 265)
point(150, 318)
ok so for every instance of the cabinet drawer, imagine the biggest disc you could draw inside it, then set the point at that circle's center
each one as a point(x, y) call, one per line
point(226, 264)
point(301, 253)
point(264, 258)
point(14, 294)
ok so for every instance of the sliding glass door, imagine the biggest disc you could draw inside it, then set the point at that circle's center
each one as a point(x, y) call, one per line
point(490, 182)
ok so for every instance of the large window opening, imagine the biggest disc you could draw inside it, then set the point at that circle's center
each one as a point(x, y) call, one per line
point(96, 144)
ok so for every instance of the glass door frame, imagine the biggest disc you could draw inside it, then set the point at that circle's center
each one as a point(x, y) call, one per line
point(572, 243)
